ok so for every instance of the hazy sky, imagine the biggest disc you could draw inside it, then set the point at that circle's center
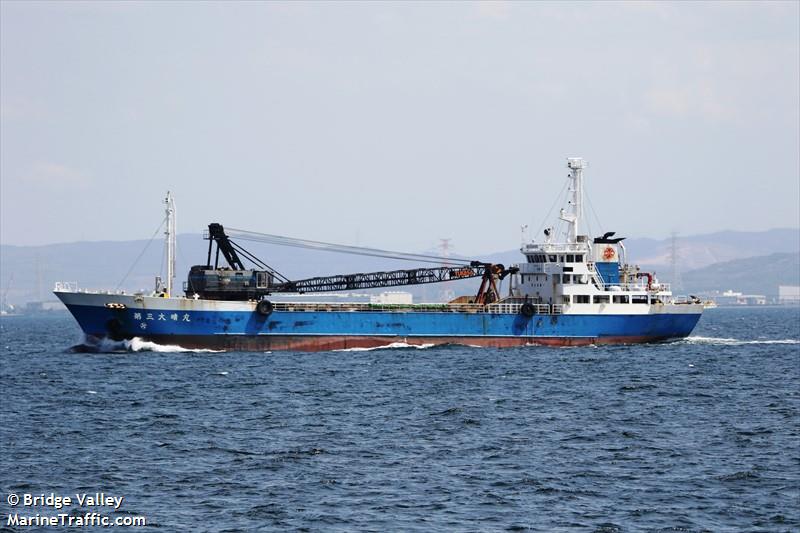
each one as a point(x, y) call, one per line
point(395, 124)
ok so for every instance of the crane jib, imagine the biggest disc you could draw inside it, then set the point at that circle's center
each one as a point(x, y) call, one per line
point(395, 278)
point(236, 282)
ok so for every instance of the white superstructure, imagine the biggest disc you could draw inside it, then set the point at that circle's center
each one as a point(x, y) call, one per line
point(583, 275)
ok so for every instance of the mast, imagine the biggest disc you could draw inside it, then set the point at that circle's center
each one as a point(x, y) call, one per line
point(169, 234)
point(573, 216)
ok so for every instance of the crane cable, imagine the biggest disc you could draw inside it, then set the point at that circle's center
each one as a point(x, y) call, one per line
point(341, 248)
point(146, 246)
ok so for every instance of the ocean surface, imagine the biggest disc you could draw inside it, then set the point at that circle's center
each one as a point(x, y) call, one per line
point(701, 434)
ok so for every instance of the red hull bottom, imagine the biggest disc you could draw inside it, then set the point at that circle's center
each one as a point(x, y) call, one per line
point(303, 343)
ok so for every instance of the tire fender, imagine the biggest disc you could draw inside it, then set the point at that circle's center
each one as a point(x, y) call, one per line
point(264, 308)
point(527, 309)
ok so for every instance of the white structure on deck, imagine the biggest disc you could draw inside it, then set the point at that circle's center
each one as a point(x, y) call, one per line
point(392, 297)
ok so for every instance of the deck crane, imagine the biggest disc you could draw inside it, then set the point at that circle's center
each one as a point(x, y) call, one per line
point(236, 282)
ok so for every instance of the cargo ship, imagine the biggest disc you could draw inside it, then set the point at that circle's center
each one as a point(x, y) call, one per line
point(570, 289)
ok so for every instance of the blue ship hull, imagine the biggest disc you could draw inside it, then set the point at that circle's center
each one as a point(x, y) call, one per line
point(185, 325)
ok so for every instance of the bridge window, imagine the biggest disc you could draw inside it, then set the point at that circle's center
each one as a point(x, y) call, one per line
point(601, 299)
point(570, 258)
point(579, 258)
point(639, 299)
point(567, 279)
point(560, 258)
point(552, 258)
point(621, 299)
point(581, 298)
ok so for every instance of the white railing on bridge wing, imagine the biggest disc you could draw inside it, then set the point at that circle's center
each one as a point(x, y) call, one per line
point(545, 248)
point(661, 287)
point(66, 286)
point(633, 287)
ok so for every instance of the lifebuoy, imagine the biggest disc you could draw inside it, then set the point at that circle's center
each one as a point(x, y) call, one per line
point(264, 307)
point(527, 309)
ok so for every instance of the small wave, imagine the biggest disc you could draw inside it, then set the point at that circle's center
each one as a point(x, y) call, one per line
point(388, 347)
point(135, 344)
point(725, 341)
point(739, 476)
point(636, 387)
point(450, 411)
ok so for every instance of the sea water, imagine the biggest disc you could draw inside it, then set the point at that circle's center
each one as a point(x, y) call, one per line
point(701, 434)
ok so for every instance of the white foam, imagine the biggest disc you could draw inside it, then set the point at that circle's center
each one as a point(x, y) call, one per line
point(725, 341)
point(137, 344)
point(388, 347)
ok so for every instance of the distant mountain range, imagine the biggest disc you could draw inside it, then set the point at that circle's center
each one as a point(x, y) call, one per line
point(753, 275)
point(698, 251)
point(745, 261)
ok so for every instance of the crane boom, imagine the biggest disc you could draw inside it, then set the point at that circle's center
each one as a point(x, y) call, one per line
point(238, 283)
point(370, 280)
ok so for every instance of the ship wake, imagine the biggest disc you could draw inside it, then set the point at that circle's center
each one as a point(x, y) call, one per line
point(392, 346)
point(136, 344)
point(725, 341)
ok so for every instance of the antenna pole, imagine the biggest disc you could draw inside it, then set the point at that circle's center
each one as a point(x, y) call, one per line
point(169, 201)
point(575, 166)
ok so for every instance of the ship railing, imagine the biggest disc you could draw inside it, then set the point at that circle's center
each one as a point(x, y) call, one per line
point(66, 286)
point(555, 248)
point(538, 309)
point(503, 308)
point(363, 307)
point(634, 287)
point(498, 308)
point(72, 286)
